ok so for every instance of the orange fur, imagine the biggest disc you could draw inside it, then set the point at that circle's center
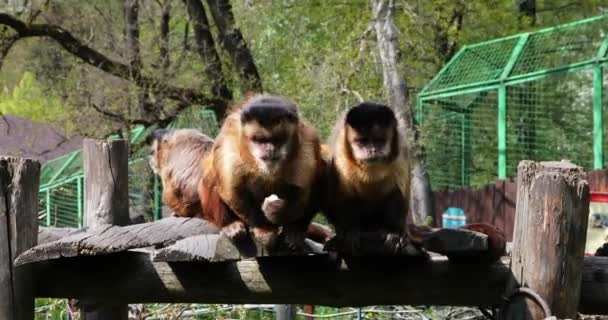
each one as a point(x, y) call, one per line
point(176, 158)
point(367, 196)
point(230, 168)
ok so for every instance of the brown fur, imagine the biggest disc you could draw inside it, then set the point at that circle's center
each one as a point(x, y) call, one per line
point(233, 188)
point(367, 197)
point(176, 157)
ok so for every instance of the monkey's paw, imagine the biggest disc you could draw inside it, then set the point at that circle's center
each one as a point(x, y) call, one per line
point(272, 206)
point(235, 231)
point(294, 239)
point(268, 238)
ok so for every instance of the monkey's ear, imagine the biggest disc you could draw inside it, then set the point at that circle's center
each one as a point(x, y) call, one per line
point(156, 135)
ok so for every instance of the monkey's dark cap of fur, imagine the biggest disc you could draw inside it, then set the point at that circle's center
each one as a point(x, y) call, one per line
point(366, 114)
point(156, 135)
point(268, 110)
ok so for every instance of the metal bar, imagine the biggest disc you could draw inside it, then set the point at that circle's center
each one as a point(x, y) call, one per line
point(571, 24)
point(458, 93)
point(59, 183)
point(484, 43)
point(517, 79)
point(443, 70)
point(137, 132)
point(514, 56)
point(601, 53)
point(65, 165)
point(157, 202)
point(462, 148)
point(502, 132)
point(79, 198)
point(419, 111)
point(598, 118)
point(48, 208)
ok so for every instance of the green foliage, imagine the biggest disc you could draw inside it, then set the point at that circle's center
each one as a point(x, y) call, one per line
point(28, 99)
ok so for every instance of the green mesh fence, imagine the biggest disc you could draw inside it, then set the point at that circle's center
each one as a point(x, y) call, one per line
point(536, 96)
point(60, 199)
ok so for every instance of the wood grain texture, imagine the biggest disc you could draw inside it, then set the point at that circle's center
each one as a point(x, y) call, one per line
point(549, 239)
point(108, 239)
point(106, 191)
point(19, 182)
point(318, 279)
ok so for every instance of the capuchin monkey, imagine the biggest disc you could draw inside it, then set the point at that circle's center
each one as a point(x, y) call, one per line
point(263, 172)
point(368, 175)
point(176, 157)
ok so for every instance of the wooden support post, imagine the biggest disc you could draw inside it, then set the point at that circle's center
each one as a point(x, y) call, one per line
point(106, 178)
point(549, 238)
point(285, 311)
point(106, 201)
point(19, 182)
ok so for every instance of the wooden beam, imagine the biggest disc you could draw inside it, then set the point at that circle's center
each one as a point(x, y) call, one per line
point(19, 182)
point(106, 178)
point(549, 239)
point(193, 239)
point(106, 203)
point(108, 239)
point(132, 277)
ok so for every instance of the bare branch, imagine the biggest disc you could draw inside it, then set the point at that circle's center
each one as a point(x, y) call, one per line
point(98, 60)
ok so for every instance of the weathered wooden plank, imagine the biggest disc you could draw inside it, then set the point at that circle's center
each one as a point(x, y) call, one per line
point(108, 239)
point(549, 239)
point(50, 234)
point(19, 182)
point(316, 279)
point(216, 248)
point(283, 280)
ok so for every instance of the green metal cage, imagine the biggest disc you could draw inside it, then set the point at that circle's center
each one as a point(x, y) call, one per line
point(61, 190)
point(536, 96)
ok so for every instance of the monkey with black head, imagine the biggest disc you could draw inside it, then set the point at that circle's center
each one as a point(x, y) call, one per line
point(262, 173)
point(176, 157)
point(368, 175)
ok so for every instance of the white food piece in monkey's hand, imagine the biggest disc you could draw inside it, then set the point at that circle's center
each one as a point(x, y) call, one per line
point(272, 205)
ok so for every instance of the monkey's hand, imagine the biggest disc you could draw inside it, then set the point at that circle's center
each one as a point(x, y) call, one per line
point(294, 238)
point(268, 238)
point(236, 231)
point(271, 207)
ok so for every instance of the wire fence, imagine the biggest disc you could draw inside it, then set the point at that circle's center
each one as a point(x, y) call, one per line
point(536, 96)
point(61, 191)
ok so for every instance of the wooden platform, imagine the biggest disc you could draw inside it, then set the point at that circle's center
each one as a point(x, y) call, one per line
point(184, 260)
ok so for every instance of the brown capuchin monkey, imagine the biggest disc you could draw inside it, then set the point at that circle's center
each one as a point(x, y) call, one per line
point(262, 174)
point(176, 157)
point(368, 175)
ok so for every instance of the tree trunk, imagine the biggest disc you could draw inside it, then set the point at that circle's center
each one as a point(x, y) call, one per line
point(205, 46)
point(233, 42)
point(396, 88)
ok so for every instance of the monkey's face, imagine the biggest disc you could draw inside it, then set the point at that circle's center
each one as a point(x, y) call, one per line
point(371, 145)
point(371, 132)
point(270, 147)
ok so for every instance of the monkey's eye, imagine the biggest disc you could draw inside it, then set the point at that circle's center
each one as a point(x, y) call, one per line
point(362, 140)
point(257, 139)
